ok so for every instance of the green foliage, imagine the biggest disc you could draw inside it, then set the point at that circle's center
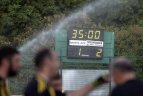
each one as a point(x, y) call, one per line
point(121, 12)
point(19, 19)
point(129, 43)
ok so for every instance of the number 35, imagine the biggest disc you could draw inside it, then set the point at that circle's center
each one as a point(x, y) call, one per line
point(99, 53)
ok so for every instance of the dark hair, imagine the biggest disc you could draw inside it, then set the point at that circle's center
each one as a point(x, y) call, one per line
point(7, 52)
point(123, 65)
point(40, 56)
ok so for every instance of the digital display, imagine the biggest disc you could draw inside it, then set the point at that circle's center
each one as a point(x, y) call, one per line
point(80, 34)
point(85, 43)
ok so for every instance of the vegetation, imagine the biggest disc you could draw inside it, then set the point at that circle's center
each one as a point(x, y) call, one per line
point(20, 19)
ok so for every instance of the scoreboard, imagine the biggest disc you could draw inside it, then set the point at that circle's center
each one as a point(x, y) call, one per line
point(83, 48)
point(85, 43)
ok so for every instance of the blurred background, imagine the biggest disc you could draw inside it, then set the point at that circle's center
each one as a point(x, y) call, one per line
point(22, 20)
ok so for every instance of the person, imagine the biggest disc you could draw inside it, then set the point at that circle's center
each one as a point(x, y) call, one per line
point(9, 67)
point(125, 79)
point(57, 84)
point(47, 66)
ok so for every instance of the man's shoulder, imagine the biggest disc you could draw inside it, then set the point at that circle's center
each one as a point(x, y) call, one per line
point(136, 84)
point(130, 87)
point(32, 83)
point(31, 88)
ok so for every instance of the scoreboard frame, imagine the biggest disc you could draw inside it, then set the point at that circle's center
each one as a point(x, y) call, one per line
point(61, 44)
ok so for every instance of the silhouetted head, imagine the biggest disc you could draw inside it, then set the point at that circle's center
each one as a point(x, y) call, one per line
point(46, 61)
point(9, 61)
point(122, 70)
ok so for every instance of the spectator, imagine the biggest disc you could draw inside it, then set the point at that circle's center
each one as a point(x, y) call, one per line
point(125, 79)
point(9, 67)
point(47, 66)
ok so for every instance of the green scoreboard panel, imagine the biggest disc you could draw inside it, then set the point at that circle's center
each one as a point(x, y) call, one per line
point(85, 43)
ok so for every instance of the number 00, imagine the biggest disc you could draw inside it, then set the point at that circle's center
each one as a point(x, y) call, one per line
point(97, 34)
point(90, 34)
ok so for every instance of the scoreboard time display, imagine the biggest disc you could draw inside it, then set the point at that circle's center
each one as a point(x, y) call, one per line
point(85, 43)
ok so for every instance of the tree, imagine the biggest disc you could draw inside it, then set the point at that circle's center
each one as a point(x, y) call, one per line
point(20, 18)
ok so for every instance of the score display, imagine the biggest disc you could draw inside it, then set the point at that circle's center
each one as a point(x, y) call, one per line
point(85, 43)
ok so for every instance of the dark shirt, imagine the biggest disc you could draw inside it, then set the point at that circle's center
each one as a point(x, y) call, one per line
point(32, 90)
point(130, 88)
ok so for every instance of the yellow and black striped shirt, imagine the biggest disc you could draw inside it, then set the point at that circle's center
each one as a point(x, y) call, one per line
point(4, 90)
point(39, 87)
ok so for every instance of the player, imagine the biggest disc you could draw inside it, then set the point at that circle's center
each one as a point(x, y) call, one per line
point(57, 83)
point(9, 67)
point(125, 79)
point(47, 66)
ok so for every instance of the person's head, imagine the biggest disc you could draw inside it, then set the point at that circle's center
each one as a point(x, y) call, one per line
point(46, 61)
point(122, 70)
point(9, 61)
point(57, 82)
